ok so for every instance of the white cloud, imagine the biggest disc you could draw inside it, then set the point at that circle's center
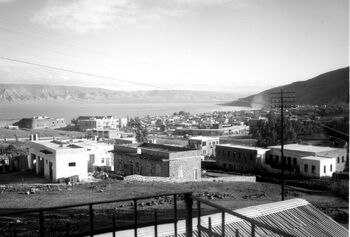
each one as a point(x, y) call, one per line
point(6, 1)
point(88, 15)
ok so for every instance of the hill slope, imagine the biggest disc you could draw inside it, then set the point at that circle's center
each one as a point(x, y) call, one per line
point(330, 87)
point(28, 93)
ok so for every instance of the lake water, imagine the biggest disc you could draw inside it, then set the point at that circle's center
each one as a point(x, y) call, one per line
point(9, 111)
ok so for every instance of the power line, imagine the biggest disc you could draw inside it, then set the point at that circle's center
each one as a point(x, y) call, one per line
point(81, 73)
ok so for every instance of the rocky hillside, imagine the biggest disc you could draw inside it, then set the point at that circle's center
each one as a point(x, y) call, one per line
point(28, 93)
point(330, 87)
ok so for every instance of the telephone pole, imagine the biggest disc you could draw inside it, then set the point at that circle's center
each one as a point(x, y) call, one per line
point(282, 99)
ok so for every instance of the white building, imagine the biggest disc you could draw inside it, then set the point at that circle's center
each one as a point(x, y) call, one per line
point(306, 160)
point(316, 167)
point(97, 122)
point(206, 144)
point(57, 160)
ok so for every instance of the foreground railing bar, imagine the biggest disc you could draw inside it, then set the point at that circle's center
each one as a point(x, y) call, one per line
point(67, 229)
point(175, 215)
point(237, 233)
point(210, 231)
point(86, 204)
point(253, 230)
point(135, 217)
point(155, 223)
point(113, 219)
point(199, 217)
point(206, 230)
point(188, 203)
point(257, 223)
point(223, 224)
point(91, 220)
point(41, 226)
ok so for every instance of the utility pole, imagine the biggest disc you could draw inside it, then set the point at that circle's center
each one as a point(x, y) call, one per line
point(283, 101)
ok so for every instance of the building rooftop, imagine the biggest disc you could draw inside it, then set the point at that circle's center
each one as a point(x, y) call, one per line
point(71, 144)
point(316, 158)
point(244, 147)
point(163, 148)
point(203, 138)
point(305, 148)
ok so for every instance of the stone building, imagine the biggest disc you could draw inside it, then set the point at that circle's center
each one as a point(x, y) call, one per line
point(158, 160)
point(243, 159)
point(41, 123)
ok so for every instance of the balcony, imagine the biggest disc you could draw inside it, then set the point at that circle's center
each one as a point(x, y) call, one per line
point(288, 218)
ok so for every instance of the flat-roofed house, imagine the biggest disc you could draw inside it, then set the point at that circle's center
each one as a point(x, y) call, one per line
point(158, 160)
point(56, 160)
point(237, 158)
point(205, 144)
point(306, 160)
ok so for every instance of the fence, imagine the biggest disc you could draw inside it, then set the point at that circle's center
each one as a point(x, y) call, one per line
point(188, 219)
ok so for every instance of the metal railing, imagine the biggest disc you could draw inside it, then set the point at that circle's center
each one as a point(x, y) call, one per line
point(188, 199)
point(92, 230)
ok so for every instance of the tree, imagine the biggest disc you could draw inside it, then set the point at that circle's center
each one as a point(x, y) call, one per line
point(141, 133)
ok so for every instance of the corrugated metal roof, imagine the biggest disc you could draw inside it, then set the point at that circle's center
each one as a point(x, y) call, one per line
point(296, 216)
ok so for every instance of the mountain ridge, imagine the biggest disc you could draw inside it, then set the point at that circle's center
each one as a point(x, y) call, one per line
point(38, 92)
point(329, 87)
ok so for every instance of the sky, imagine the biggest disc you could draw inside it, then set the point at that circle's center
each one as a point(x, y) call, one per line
point(239, 46)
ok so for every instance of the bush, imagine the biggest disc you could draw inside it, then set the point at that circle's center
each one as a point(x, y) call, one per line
point(340, 188)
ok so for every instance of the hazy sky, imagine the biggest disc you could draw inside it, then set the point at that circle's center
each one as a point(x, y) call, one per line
point(225, 45)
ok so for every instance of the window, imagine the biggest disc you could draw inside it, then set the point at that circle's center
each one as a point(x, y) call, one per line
point(306, 167)
point(71, 164)
point(204, 143)
point(295, 161)
point(313, 169)
point(331, 168)
point(47, 161)
point(338, 159)
point(102, 160)
point(270, 157)
point(324, 169)
point(92, 158)
point(342, 159)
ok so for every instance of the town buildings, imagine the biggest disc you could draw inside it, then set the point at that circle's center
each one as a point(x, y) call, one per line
point(306, 160)
point(205, 144)
point(61, 159)
point(158, 160)
point(103, 133)
point(238, 158)
point(41, 123)
point(96, 122)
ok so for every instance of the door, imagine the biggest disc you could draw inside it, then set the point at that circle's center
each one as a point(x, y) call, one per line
point(51, 171)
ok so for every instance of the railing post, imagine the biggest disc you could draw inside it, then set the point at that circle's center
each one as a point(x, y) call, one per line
point(237, 233)
point(42, 228)
point(253, 230)
point(135, 217)
point(91, 220)
point(113, 224)
point(189, 202)
point(175, 215)
point(155, 223)
point(223, 224)
point(209, 227)
point(67, 229)
point(199, 218)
